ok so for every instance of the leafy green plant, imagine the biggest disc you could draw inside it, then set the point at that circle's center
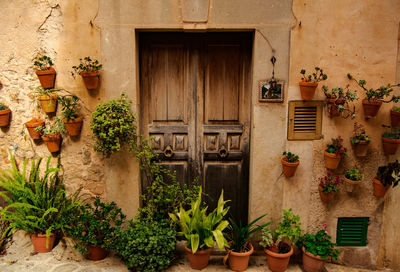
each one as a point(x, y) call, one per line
point(330, 182)
point(86, 65)
point(397, 109)
point(290, 157)
point(355, 173)
point(5, 235)
point(341, 100)
point(40, 91)
point(394, 134)
point(55, 127)
point(36, 204)
point(377, 94)
point(3, 107)
point(359, 134)
point(336, 147)
point(42, 63)
point(319, 244)
point(315, 77)
point(389, 175)
point(113, 126)
point(201, 230)
point(69, 104)
point(147, 246)
point(239, 235)
point(94, 224)
point(288, 231)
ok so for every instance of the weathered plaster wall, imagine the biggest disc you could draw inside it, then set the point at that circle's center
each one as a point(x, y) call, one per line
point(341, 38)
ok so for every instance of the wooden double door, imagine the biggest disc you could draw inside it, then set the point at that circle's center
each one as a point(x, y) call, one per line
point(195, 95)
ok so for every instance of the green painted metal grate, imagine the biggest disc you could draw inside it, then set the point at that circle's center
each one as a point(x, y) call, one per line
point(352, 231)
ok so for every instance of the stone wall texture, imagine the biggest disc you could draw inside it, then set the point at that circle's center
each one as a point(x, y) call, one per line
point(358, 37)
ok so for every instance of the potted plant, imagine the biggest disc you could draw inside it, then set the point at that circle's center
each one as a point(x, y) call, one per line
point(31, 125)
point(386, 176)
point(90, 71)
point(5, 113)
point(375, 97)
point(316, 249)
point(337, 102)
point(328, 186)
point(309, 83)
point(45, 71)
point(334, 153)
point(353, 176)
point(359, 140)
point(36, 203)
point(239, 238)
point(93, 227)
point(47, 99)
point(278, 243)
point(73, 122)
point(390, 141)
point(52, 134)
point(289, 162)
point(395, 117)
point(201, 231)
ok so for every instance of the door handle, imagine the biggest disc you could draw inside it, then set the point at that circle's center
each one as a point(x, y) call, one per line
point(222, 152)
point(168, 151)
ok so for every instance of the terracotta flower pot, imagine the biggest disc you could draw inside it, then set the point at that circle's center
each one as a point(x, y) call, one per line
point(48, 103)
point(379, 189)
point(333, 106)
point(39, 242)
point(307, 90)
point(199, 260)
point(278, 262)
point(390, 145)
point(32, 125)
point(326, 197)
point(53, 142)
point(240, 261)
point(5, 117)
point(350, 184)
point(47, 77)
point(360, 149)
point(312, 263)
point(96, 253)
point(332, 160)
point(91, 79)
point(73, 127)
point(289, 168)
point(371, 108)
point(395, 118)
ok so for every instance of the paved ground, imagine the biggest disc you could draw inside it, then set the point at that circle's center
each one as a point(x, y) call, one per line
point(20, 257)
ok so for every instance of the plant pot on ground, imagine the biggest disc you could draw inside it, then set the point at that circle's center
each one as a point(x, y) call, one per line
point(289, 162)
point(337, 102)
point(36, 203)
point(5, 113)
point(390, 141)
point(309, 83)
point(278, 243)
point(375, 97)
point(360, 140)
point(328, 186)
point(316, 249)
point(45, 71)
point(90, 71)
point(52, 134)
point(240, 248)
point(41, 243)
point(395, 117)
point(353, 177)
point(202, 230)
point(386, 176)
point(32, 124)
point(47, 99)
point(334, 153)
point(72, 121)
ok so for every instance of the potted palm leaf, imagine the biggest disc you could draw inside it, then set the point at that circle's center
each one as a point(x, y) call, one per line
point(72, 121)
point(45, 71)
point(90, 72)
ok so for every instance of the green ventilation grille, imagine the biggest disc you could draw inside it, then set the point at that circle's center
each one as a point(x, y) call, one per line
point(352, 231)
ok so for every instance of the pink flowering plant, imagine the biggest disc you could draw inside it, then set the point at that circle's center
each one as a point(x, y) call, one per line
point(355, 173)
point(330, 183)
point(319, 244)
point(336, 147)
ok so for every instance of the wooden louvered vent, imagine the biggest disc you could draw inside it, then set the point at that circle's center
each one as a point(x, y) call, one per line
point(305, 118)
point(352, 231)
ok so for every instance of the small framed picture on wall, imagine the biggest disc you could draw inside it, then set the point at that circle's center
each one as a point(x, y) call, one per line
point(271, 91)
